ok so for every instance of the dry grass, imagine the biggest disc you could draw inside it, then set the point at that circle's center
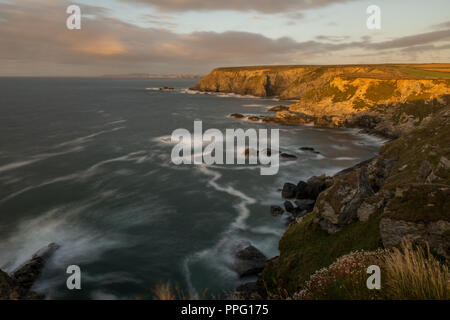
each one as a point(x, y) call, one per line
point(413, 273)
point(407, 273)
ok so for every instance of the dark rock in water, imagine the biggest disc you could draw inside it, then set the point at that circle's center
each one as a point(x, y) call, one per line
point(279, 108)
point(289, 207)
point(166, 88)
point(315, 186)
point(306, 149)
point(304, 205)
point(236, 115)
point(289, 190)
point(249, 261)
point(29, 272)
point(288, 156)
point(18, 285)
point(276, 210)
point(253, 118)
point(301, 191)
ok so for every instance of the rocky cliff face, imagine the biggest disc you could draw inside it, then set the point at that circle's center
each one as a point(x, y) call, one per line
point(330, 95)
point(402, 194)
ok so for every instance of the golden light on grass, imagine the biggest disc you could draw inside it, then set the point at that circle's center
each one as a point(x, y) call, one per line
point(414, 273)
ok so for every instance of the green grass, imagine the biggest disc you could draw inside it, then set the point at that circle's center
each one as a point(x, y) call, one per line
point(423, 73)
point(305, 248)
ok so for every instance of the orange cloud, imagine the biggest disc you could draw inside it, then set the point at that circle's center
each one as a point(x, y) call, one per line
point(102, 47)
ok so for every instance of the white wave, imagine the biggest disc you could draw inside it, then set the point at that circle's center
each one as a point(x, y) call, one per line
point(345, 158)
point(254, 105)
point(37, 158)
point(81, 175)
point(87, 138)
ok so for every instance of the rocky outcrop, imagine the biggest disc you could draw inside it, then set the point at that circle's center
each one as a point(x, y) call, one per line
point(372, 97)
point(18, 285)
point(248, 260)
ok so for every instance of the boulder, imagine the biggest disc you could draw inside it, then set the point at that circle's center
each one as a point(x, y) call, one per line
point(276, 210)
point(304, 205)
point(236, 115)
point(315, 185)
point(301, 190)
point(248, 260)
point(278, 108)
point(289, 190)
point(289, 207)
point(338, 205)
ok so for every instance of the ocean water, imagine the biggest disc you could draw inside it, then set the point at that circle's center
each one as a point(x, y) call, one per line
point(85, 163)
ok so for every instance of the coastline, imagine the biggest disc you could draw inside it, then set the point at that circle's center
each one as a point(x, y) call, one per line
point(377, 208)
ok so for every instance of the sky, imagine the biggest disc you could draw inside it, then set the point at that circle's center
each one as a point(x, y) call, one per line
point(196, 36)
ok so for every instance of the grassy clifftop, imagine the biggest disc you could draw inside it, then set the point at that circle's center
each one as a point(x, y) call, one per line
point(334, 92)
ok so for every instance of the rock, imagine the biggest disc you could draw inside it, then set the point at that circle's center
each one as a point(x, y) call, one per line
point(248, 260)
point(18, 285)
point(9, 289)
point(279, 108)
point(315, 185)
point(253, 118)
point(306, 149)
point(435, 234)
point(305, 205)
point(289, 190)
point(288, 156)
point(419, 212)
point(289, 207)
point(425, 169)
point(29, 272)
point(276, 210)
point(247, 291)
point(236, 115)
point(301, 191)
point(338, 205)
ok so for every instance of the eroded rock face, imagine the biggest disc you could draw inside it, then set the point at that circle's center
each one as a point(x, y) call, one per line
point(338, 205)
point(419, 212)
point(248, 260)
point(436, 234)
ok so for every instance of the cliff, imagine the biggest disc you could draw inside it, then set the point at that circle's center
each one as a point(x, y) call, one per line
point(333, 95)
point(402, 194)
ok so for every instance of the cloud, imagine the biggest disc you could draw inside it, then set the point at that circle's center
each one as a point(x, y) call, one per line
point(264, 6)
point(35, 41)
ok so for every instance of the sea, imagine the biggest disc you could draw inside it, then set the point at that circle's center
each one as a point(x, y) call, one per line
point(86, 163)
